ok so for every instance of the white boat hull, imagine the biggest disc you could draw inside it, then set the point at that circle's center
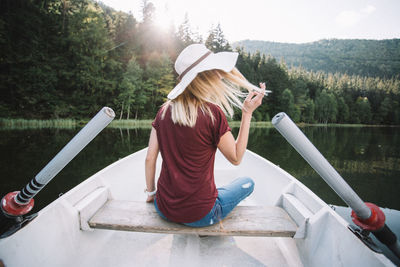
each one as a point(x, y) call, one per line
point(55, 237)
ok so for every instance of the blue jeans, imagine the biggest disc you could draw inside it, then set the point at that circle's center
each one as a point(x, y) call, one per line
point(228, 198)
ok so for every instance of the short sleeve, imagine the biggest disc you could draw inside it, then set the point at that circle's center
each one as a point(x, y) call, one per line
point(156, 120)
point(221, 125)
point(155, 123)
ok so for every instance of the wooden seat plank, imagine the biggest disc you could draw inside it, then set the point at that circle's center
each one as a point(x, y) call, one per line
point(242, 221)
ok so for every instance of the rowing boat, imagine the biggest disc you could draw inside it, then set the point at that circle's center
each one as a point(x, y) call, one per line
point(104, 221)
point(64, 234)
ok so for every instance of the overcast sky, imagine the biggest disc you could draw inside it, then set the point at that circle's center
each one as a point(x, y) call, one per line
point(296, 21)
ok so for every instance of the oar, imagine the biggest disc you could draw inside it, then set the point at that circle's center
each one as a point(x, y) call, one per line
point(16, 204)
point(368, 216)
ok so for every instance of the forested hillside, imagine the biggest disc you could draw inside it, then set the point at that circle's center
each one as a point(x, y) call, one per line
point(68, 58)
point(374, 58)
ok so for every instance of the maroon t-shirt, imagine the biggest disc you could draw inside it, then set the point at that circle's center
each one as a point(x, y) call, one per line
point(186, 189)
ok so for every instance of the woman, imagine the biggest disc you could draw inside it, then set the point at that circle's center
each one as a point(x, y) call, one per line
point(189, 128)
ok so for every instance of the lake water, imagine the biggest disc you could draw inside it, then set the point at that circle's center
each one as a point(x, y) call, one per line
point(367, 157)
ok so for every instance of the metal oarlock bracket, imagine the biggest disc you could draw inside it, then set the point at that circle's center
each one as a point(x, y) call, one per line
point(13, 215)
point(15, 223)
point(363, 235)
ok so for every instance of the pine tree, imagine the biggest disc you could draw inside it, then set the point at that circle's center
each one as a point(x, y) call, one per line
point(343, 110)
point(132, 95)
point(185, 33)
point(288, 106)
point(148, 34)
point(362, 112)
point(384, 110)
point(67, 58)
point(326, 107)
point(216, 41)
point(308, 111)
point(159, 80)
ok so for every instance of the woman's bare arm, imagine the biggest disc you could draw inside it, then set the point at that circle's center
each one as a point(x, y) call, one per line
point(150, 164)
point(234, 150)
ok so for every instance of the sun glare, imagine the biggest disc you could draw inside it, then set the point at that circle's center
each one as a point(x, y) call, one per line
point(163, 21)
point(163, 17)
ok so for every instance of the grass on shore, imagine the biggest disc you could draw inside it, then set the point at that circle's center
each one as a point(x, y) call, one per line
point(70, 124)
point(131, 124)
point(255, 124)
point(37, 124)
point(23, 124)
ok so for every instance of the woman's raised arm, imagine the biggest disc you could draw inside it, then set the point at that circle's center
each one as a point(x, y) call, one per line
point(234, 150)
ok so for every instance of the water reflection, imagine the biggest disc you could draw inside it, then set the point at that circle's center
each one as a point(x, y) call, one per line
point(368, 158)
point(25, 152)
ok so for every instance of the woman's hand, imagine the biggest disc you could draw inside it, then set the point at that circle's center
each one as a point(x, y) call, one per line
point(234, 150)
point(253, 100)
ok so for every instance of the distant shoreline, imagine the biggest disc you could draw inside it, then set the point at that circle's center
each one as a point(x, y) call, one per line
point(144, 124)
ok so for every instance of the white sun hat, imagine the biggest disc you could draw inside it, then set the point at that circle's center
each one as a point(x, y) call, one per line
point(197, 58)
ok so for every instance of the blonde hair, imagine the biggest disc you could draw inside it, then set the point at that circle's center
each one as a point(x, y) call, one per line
point(213, 86)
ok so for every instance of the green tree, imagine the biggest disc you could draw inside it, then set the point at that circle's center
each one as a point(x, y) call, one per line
point(276, 79)
point(308, 111)
point(185, 33)
point(385, 110)
point(325, 107)
point(88, 64)
point(125, 39)
point(373, 58)
point(159, 80)
point(216, 41)
point(68, 58)
point(396, 113)
point(257, 115)
point(362, 110)
point(343, 110)
point(132, 95)
point(288, 106)
point(148, 33)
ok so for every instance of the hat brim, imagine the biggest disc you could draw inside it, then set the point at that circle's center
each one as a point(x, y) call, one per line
point(225, 61)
